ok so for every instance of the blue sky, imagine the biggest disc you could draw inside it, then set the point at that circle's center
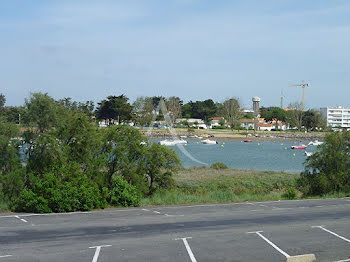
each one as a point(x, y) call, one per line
point(193, 49)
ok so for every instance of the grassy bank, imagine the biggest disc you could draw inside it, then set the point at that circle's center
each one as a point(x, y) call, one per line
point(207, 185)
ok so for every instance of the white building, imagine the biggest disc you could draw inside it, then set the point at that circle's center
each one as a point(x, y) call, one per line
point(337, 117)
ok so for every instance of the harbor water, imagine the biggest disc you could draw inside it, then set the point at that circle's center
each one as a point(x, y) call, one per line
point(258, 155)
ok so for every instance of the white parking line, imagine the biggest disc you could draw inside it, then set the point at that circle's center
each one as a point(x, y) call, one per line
point(270, 243)
point(330, 232)
point(345, 260)
point(263, 205)
point(173, 215)
point(97, 252)
point(23, 220)
point(5, 256)
point(188, 248)
point(157, 212)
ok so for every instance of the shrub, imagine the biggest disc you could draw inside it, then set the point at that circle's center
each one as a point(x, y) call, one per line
point(290, 194)
point(219, 165)
point(328, 169)
point(123, 194)
point(28, 201)
point(50, 194)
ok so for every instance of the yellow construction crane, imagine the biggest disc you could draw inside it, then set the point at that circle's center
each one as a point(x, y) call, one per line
point(303, 85)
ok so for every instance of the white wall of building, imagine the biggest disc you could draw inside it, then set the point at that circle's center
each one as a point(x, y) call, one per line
point(337, 117)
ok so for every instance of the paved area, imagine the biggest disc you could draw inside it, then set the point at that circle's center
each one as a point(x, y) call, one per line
point(250, 231)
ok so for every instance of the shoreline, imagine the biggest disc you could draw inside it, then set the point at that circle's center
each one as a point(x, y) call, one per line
point(235, 135)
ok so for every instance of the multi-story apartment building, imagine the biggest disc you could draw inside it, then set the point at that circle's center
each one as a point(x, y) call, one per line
point(337, 117)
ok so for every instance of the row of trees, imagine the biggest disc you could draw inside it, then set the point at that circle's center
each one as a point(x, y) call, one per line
point(145, 109)
point(64, 162)
point(295, 116)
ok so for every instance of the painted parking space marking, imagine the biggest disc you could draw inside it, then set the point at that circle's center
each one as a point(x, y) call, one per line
point(23, 220)
point(345, 260)
point(330, 232)
point(97, 251)
point(188, 248)
point(160, 213)
point(5, 256)
point(269, 242)
point(167, 215)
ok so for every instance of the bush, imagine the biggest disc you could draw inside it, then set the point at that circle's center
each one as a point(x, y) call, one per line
point(290, 194)
point(50, 194)
point(28, 201)
point(219, 165)
point(328, 169)
point(123, 194)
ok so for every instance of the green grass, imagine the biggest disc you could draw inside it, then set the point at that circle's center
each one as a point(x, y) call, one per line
point(207, 185)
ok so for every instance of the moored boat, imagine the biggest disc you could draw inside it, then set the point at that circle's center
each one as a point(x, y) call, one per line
point(308, 153)
point(299, 147)
point(172, 142)
point(315, 143)
point(209, 142)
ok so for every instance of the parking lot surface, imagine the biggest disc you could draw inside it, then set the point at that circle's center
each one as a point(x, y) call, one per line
point(249, 231)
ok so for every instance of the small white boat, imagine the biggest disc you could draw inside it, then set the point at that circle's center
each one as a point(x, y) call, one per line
point(172, 142)
point(315, 143)
point(209, 142)
point(308, 153)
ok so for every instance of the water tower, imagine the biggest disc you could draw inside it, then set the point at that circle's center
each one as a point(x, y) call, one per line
point(256, 105)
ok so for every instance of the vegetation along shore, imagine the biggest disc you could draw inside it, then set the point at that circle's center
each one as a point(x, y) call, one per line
point(59, 160)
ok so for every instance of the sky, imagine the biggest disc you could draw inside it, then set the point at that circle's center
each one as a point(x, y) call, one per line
point(193, 49)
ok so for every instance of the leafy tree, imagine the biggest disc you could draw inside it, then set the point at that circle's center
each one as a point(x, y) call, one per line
point(41, 111)
point(200, 109)
point(143, 110)
point(249, 116)
point(87, 108)
point(328, 169)
point(160, 163)
point(14, 114)
point(2, 100)
point(275, 113)
point(114, 108)
point(71, 164)
point(173, 105)
point(313, 119)
point(295, 115)
point(232, 112)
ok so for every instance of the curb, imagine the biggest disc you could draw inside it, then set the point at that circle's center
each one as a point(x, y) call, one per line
point(302, 258)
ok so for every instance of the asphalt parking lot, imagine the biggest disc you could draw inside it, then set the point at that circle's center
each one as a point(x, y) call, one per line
point(249, 231)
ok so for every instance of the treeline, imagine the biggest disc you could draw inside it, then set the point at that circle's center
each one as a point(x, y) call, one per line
point(297, 118)
point(144, 110)
point(60, 161)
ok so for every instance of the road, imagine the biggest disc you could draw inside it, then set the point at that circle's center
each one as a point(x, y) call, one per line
point(249, 231)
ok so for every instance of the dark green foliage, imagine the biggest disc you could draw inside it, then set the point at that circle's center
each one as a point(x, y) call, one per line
point(160, 162)
point(219, 165)
point(2, 101)
point(200, 109)
point(328, 169)
point(73, 165)
point(114, 108)
point(123, 194)
point(290, 194)
point(313, 119)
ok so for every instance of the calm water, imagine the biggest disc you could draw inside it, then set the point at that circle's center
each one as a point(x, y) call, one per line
point(259, 155)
